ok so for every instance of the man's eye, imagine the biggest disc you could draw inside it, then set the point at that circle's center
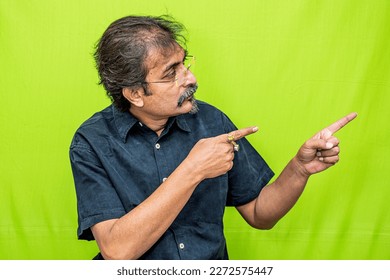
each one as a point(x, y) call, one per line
point(171, 74)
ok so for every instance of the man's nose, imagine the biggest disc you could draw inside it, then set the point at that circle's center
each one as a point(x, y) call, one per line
point(190, 78)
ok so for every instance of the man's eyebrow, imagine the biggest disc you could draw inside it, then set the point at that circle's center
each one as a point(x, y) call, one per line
point(175, 64)
point(170, 66)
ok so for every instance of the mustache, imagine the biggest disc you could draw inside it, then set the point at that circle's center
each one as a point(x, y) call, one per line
point(186, 94)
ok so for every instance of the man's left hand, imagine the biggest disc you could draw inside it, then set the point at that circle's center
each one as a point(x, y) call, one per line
point(322, 150)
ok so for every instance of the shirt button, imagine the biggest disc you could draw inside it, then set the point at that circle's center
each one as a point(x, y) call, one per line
point(164, 179)
point(181, 246)
point(157, 146)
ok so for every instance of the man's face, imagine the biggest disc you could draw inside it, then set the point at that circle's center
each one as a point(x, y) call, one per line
point(170, 84)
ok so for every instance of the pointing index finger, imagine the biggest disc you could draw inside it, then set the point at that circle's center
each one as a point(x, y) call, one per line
point(240, 133)
point(336, 126)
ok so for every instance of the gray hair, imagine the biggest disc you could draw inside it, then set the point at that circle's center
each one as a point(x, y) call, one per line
point(122, 51)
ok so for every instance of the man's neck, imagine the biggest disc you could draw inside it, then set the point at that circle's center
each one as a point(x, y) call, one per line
point(155, 124)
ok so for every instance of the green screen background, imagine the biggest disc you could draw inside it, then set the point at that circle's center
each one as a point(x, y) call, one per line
point(290, 67)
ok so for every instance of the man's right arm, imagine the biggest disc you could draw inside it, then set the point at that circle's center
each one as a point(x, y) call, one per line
point(133, 234)
point(130, 236)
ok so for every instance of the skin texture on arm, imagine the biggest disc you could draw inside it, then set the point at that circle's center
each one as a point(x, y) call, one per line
point(133, 234)
point(316, 155)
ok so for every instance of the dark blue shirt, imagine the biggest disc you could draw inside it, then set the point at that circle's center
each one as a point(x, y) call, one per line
point(118, 162)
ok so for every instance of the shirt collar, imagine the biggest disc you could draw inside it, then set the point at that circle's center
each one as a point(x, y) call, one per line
point(125, 121)
point(182, 123)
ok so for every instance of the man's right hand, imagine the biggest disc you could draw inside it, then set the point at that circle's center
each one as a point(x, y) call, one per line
point(212, 157)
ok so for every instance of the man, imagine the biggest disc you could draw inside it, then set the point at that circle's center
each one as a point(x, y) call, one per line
point(155, 170)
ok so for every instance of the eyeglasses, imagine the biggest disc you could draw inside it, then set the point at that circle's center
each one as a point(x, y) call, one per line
point(180, 75)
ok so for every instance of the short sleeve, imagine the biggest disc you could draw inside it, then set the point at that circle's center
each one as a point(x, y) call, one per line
point(250, 172)
point(97, 199)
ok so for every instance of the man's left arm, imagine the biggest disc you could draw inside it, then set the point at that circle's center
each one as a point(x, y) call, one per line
point(316, 155)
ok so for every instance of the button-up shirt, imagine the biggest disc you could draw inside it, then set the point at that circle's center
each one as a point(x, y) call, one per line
point(117, 162)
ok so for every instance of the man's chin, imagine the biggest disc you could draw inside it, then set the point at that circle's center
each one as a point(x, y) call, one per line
point(190, 106)
point(194, 108)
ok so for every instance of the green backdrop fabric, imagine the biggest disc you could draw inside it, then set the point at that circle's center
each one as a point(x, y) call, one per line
point(289, 67)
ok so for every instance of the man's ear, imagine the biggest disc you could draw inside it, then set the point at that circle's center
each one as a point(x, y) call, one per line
point(135, 96)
